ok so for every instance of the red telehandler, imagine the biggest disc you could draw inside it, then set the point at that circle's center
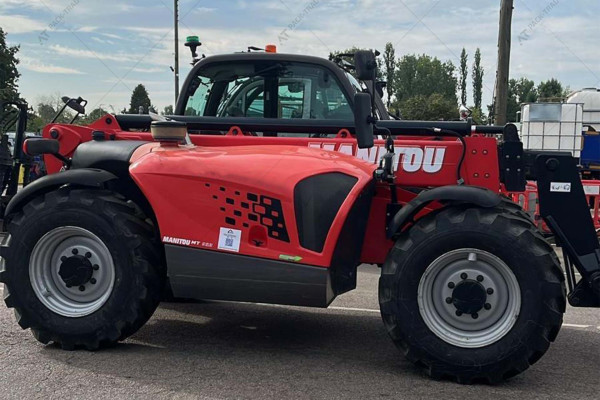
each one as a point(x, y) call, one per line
point(272, 184)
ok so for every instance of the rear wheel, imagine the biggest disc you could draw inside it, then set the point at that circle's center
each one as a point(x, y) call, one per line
point(81, 268)
point(472, 294)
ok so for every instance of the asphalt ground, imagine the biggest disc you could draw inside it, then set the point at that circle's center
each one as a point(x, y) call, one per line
point(218, 350)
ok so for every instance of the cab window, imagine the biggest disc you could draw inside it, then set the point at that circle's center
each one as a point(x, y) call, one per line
point(267, 89)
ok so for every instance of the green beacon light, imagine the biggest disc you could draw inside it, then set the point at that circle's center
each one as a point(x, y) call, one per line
point(193, 43)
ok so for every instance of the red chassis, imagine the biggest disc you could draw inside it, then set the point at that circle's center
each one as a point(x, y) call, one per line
point(421, 163)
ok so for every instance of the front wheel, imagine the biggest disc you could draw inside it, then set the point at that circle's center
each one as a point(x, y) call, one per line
point(473, 294)
point(81, 268)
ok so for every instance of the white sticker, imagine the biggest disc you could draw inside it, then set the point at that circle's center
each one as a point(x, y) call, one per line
point(229, 239)
point(563, 187)
point(591, 190)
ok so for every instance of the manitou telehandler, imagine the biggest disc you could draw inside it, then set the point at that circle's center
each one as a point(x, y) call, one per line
point(272, 185)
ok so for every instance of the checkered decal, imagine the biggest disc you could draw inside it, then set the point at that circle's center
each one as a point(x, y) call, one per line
point(243, 209)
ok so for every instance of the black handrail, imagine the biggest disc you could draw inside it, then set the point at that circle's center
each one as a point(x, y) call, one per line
point(332, 126)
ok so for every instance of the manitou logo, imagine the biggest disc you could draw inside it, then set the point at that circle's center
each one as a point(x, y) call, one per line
point(429, 159)
point(172, 240)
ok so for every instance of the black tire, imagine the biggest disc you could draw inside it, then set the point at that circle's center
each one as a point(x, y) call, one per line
point(139, 275)
point(504, 232)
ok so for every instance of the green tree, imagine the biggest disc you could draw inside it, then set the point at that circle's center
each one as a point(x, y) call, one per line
point(513, 105)
point(550, 91)
point(479, 117)
point(389, 60)
point(433, 107)
point(92, 116)
point(478, 73)
point(34, 122)
point(519, 91)
point(139, 98)
point(48, 107)
point(464, 72)
point(424, 75)
point(168, 110)
point(9, 75)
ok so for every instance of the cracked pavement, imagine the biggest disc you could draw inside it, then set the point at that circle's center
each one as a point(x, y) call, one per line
point(218, 350)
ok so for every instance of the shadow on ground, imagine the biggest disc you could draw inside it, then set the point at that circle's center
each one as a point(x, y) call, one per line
point(233, 350)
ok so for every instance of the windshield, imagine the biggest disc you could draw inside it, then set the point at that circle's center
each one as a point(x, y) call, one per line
point(268, 89)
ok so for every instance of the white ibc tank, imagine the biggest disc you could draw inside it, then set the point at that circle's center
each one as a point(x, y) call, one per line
point(552, 126)
point(590, 98)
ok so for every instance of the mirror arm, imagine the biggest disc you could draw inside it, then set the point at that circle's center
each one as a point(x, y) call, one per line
point(63, 159)
point(58, 114)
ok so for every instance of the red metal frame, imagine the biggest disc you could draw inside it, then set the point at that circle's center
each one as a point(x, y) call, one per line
point(182, 183)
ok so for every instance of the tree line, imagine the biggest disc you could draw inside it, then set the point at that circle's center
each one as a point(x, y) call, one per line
point(422, 87)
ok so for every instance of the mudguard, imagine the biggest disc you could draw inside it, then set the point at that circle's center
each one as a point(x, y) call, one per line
point(468, 194)
point(88, 177)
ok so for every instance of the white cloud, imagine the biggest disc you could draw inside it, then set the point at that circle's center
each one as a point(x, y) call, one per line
point(15, 24)
point(90, 54)
point(35, 65)
point(103, 41)
point(86, 29)
point(149, 70)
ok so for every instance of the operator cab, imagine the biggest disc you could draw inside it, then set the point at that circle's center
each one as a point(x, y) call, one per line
point(269, 85)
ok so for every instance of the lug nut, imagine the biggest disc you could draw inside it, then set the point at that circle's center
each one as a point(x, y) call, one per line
point(93, 281)
point(458, 313)
point(451, 285)
point(464, 276)
point(490, 291)
point(449, 300)
point(474, 315)
point(487, 306)
point(82, 288)
point(96, 267)
point(479, 278)
point(75, 251)
point(88, 255)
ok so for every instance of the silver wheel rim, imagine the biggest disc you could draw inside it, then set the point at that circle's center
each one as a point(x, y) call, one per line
point(47, 259)
point(440, 283)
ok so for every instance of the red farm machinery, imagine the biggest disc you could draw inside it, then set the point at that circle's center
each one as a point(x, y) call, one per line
point(275, 179)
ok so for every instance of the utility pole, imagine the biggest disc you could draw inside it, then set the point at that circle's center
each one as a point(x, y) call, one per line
point(501, 100)
point(176, 14)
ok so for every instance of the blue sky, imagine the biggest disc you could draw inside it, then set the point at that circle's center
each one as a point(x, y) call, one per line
point(101, 50)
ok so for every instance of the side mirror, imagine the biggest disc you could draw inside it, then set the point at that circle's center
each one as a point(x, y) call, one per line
point(37, 147)
point(365, 64)
point(363, 120)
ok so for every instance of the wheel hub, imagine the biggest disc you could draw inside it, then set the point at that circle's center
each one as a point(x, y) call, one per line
point(469, 297)
point(71, 271)
point(75, 270)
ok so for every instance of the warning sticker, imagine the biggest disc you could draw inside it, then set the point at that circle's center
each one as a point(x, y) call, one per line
point(563, 187)
point(229, 239)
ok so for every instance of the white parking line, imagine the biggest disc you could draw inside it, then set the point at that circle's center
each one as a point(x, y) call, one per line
point(354, 309)
point(371, 310)
point(576, 326)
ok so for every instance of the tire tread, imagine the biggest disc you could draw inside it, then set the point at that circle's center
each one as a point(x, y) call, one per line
point(507, 214)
